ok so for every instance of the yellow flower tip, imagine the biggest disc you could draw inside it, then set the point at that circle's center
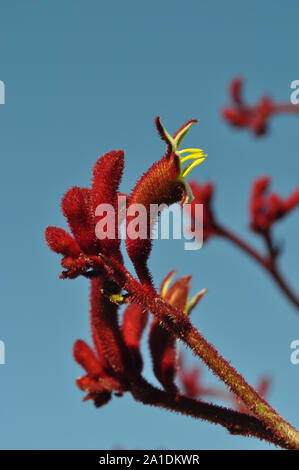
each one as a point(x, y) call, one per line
point(192, 165)
point(192, 304)
point(195, 154)
point(181, 133)
point(166, 282)
point(179, 292)
point(118, 299)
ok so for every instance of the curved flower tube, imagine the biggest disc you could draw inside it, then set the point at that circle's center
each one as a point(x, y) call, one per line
point(162, 185)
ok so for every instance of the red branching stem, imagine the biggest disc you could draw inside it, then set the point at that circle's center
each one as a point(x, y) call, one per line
point(285, 108)
point(268, 262)
point(235, 422)
point(178, 324)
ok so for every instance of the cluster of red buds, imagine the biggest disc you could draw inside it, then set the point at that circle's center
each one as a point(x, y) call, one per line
point(256, 116)
point(116, 358)
point(266, 208)
point(113, 365)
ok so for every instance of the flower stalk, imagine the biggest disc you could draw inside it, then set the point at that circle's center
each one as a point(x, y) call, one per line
point(177, 323)
point(268, 262)
point(113, 365)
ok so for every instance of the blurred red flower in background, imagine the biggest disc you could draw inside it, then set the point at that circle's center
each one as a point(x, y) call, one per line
point(256, 116)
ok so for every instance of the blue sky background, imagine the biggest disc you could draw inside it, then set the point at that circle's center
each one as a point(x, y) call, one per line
point(85, 77)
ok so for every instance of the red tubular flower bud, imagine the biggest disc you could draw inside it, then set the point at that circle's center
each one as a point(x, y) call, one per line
point(105, 329)
point(164, 356)
point(162, 344)
point(85, 356)
point(97, 378)
point(292, 201)
point(236, 91)
point(255, 117)
point(107, 175)
point(79, 206)
point(61, 242)
point(134, 322)
point(164, 183)
point(236, 117)
point(260, 115)
point(157, 186)
point(106, 368)
point(77, 209)
point(259, 220)
point(275, 206)
point(238, 114)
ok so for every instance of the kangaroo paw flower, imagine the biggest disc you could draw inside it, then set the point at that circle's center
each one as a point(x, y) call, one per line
point(254, 117)
point(107, 174)
point(61, 242)
point(97, 383)
point(162, 185)
point(180, 157)
point(267, 208)
point(79, 206)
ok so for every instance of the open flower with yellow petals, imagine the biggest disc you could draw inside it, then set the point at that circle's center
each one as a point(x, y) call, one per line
point(177, 157)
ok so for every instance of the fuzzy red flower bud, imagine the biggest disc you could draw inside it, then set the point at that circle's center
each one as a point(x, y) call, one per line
point(105, 329)
point(163, 184)
point(107, 366)
point(242, 115)
point(236, 91)
point(79, 206)
point(107, 175)
point(61, 242)
point(85, 356)
point(292, 201)
point(77, 209)
point(100, 376)
point(133, 324)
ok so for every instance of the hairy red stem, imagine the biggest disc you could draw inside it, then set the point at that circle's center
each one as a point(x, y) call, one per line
point(179, 325)
point(235, 422)
point(285, 108)
point(267, 262)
